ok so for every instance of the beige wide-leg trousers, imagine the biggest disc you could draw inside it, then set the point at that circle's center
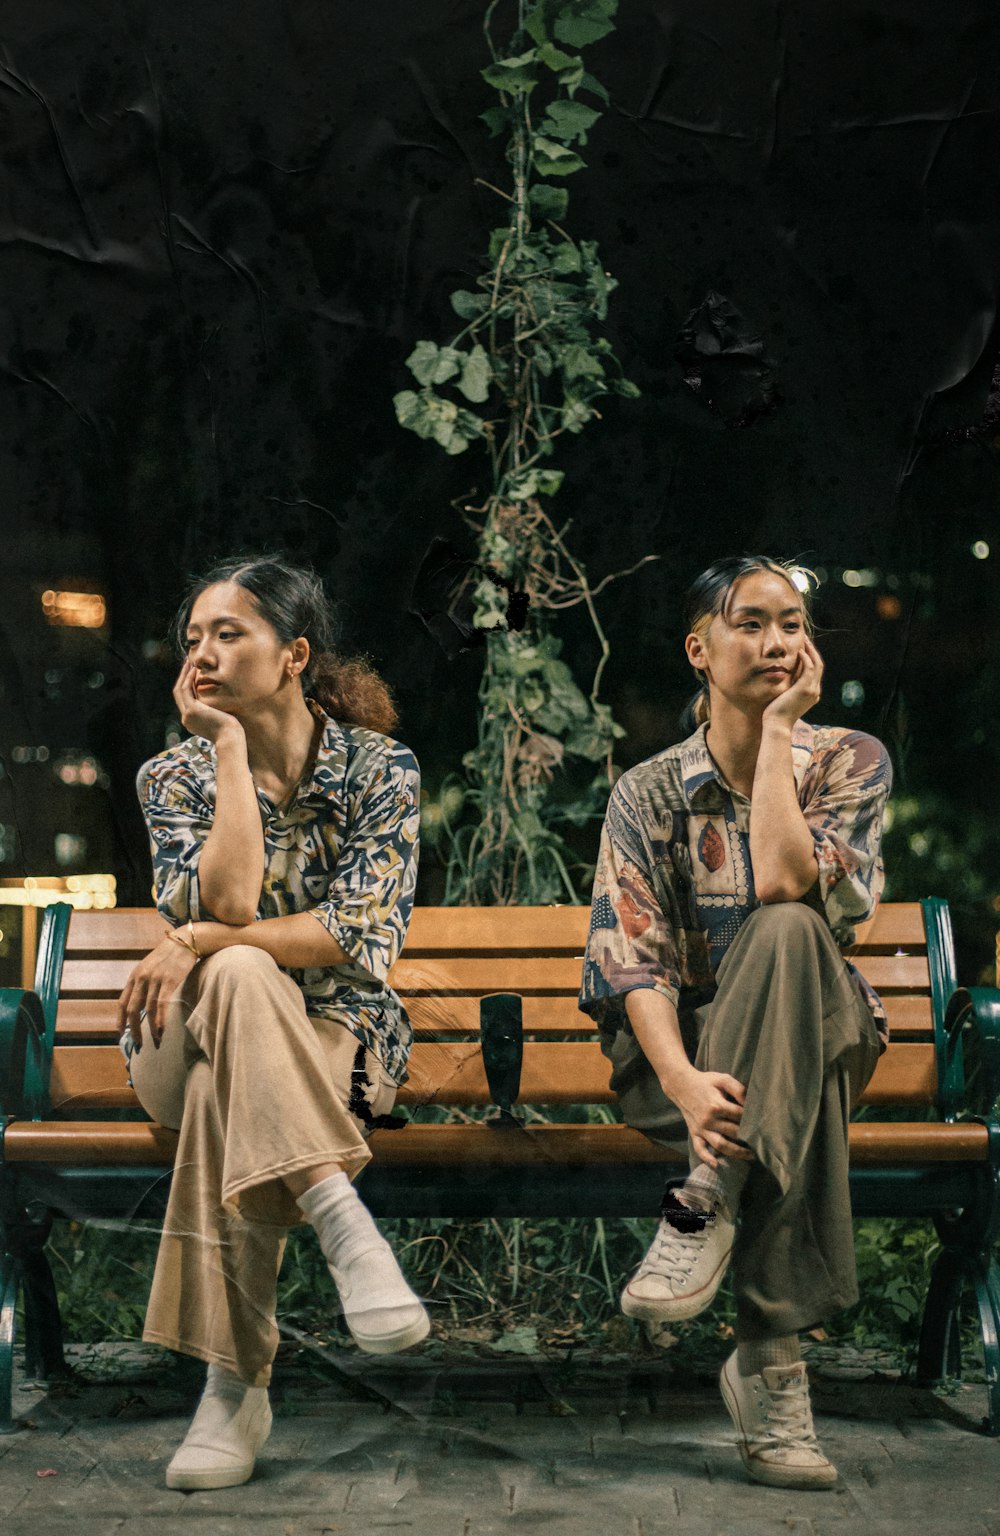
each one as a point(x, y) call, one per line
point(789, 1022)
point(259, 1089)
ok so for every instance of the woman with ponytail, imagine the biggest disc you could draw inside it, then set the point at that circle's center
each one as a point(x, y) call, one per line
point(732, 871)
point(262, 1026)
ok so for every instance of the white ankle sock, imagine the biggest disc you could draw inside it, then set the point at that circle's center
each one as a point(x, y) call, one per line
point(343, 1225)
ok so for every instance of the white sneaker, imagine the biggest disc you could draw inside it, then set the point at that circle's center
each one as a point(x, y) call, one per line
point(220, 1448)
point(774, 1426)
point(383, 1314)
point(681, 1272)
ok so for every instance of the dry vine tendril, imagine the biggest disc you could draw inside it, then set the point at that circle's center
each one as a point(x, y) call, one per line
point(531, 355)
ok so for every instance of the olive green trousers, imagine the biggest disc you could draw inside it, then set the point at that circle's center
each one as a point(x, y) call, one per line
point(789, 1022)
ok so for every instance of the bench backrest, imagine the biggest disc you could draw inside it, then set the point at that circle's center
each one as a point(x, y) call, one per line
point(457, 956)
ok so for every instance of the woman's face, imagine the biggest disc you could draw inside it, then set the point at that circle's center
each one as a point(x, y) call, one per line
point(751, 655)
point(238, 660)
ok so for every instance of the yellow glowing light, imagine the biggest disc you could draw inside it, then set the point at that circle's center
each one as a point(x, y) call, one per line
point(79, 610)
point(799, 579)
point(981, 549)
point(83, 892)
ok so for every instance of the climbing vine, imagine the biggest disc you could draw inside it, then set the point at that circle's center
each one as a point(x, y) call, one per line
point(524, 374)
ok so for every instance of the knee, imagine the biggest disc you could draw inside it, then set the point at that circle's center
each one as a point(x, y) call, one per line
point(238, 965)
point(784, 923)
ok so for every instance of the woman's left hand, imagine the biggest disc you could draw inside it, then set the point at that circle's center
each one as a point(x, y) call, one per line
point(151, 986)
point(806, 687)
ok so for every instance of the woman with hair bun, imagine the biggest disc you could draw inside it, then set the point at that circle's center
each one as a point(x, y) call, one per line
point(733, 869)
point(284, 840)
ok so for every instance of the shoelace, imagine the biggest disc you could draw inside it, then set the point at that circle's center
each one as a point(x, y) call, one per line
point(789, 1418)
point(674, 1253)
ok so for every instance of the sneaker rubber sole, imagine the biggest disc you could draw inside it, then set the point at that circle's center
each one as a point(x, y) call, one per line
point(393, 1343)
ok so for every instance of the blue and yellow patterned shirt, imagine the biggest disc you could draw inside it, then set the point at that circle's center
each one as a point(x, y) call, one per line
point(674, 883)
point(344, 849)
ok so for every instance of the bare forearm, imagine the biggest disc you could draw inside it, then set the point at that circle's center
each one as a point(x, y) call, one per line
point(657, 1028)
point(781, 844)
point(231, 863)
point(299, 940)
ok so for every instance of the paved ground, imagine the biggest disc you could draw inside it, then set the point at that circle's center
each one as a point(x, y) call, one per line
point(432, 1448)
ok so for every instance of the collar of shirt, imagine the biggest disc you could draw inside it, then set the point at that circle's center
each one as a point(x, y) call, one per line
point(328, 770)
point(704, 786)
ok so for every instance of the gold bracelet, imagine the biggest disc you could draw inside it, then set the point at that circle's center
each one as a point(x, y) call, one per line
point(172, 933)
point(194, 942)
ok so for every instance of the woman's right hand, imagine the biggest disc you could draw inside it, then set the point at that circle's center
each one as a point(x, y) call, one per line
point(151, 986)
point(196, 716)
point(712, 1105)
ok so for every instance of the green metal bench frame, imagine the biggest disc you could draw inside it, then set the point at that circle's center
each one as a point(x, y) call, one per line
point(962, 1198)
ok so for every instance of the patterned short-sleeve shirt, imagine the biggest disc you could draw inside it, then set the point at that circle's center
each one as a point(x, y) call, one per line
point(344, 849)
point(674, 881)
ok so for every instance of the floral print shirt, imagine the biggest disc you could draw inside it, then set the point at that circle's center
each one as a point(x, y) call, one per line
point(674, 882)
point(343, 849)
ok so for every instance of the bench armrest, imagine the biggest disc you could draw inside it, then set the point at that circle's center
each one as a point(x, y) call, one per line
point(969, 1074)
point(24, 1055)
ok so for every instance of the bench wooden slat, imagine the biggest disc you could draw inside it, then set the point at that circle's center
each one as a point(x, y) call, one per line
point(538, 974)
point(468, 930)
point(95, 1021)
point(525, 974)
point(433, 930)
point(899, 924)
point(553, 1072)
point(76, 1143)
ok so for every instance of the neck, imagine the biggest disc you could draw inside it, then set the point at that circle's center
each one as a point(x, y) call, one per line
point(733, 738)
point(280, 738)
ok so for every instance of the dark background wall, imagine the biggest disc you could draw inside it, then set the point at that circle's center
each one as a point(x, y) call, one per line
point(223, 226)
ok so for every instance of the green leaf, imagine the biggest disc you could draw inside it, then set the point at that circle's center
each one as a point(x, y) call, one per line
point(431, 364)
point(516, 76)
point(549, 202)
point(566, 258)
point(549, 481)
point(554, 58)
point(476, 375)
point(594, 86)
point(569, 121)
point(534, 24)
point(542, 359)
point(552, 159)
point(575, 415)
point(587, 21)
point(578, 362)
point(498, 239)
point(469, 305)
point(627, 388)
point(411, 412)
point(497, 120)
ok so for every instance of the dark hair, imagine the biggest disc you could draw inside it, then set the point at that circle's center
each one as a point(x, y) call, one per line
point(711, 594)
point(292, 600)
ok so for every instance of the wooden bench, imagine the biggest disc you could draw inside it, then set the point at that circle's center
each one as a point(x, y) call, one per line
point(492, 995)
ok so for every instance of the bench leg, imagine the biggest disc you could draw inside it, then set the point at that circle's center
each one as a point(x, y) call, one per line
point(9, 1283)
point(987, 1283)
point(43, 1347)
point(939, 1354)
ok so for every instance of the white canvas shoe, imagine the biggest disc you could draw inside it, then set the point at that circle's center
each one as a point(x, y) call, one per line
point(681, 1272)
point(220, 1448)
point(382, 1312)
point(774, 1426)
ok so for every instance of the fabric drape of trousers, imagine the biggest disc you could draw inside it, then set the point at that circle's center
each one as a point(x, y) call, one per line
point(789, 1022)
point(259, 1089)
